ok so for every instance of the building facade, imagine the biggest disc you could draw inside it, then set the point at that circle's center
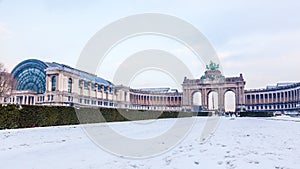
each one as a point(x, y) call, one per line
point(282, 97)
point(45, 83)
point(213, 81)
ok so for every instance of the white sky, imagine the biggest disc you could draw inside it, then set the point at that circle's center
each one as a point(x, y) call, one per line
point(259, 38)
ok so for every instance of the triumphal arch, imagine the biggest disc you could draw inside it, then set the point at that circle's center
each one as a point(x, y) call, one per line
point(213, 81)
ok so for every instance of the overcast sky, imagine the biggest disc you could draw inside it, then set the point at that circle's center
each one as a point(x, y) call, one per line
point(259, 38)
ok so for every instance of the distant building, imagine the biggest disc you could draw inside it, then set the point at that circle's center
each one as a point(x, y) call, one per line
point(281, 97)
point(46, 83)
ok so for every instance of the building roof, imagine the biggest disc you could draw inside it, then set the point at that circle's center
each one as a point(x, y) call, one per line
point(82, 74)
point(156, 90)
point(278, 86)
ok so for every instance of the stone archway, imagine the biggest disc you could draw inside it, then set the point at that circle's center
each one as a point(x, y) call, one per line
point(213, 80)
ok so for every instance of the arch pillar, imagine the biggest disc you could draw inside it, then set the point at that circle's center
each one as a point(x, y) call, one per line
point(221, 101)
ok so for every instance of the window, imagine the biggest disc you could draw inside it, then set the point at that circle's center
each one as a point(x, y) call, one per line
point(79, 83)
point(53, 81)
point(105, 88)
point(86, 85)
point(99, 87)
point(69, 85)
point(86, 101)
point(99, 102)
point(52, 97)
point(93, 86)
point(110, 90)
point(48, 97)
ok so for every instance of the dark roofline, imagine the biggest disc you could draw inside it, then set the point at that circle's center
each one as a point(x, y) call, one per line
point(273, 89)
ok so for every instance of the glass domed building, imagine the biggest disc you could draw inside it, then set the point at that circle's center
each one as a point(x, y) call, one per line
point(51, 83)
point(39, 82)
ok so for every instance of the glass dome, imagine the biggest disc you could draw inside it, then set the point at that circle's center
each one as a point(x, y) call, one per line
point(30, 75)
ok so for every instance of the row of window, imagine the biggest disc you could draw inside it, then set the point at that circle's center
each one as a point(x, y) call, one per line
point(269, 107)
point(154, 107)
point(40, 98)
point(10, 99)
point(156, 98)
point(86, 86)
point(287, 94)
point(50, 97)
point(19, 99)
point(54, 84)
point(99, 102)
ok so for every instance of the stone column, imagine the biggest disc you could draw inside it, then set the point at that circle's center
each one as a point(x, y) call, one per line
point(222, 100)
point(237, 100)
point(293, 95)
point(242, 96)
point(204, 97)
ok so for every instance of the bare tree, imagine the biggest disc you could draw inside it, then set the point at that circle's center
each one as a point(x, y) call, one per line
point(6, 82)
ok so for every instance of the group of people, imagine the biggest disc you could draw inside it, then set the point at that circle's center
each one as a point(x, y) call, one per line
point(230, 114)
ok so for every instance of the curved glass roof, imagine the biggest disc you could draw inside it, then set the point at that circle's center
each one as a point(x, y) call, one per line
point(31, 75)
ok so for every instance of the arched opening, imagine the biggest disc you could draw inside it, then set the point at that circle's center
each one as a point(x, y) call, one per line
point(197, 101)
point(213, 102)
point(53, 82)
point(230, 102)
point(69, 85)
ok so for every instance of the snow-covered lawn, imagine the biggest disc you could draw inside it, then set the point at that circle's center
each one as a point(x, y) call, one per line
point(239, 143)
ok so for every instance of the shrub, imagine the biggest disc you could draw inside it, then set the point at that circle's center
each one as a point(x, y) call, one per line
point(256, 114)
point(11, 116)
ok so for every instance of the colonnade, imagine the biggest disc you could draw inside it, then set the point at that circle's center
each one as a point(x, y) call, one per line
point(273, 99)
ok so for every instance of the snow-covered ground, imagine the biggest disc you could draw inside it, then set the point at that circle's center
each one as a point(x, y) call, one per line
point(239, 143)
